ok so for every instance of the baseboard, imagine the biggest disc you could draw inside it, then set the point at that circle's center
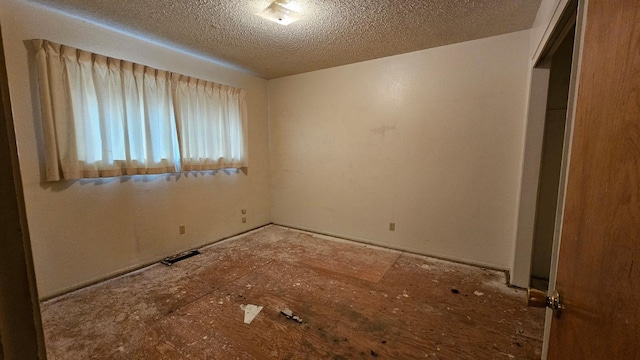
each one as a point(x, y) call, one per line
point(404, 249)
point(310, 231)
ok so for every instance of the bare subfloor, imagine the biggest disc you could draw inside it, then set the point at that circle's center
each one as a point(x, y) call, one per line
point(355, 301)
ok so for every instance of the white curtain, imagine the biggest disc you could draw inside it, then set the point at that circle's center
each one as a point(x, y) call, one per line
point(212, 123)
point(102, 116)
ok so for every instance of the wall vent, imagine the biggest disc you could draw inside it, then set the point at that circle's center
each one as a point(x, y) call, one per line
point(178, 257)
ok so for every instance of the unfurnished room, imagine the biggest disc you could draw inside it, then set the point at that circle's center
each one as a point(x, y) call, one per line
point(298, 179)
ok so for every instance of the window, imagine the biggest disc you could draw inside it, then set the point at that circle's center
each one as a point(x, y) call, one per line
point(210, 117)
point(108, 117)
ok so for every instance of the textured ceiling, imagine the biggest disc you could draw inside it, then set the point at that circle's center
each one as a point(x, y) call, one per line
point(332, 32)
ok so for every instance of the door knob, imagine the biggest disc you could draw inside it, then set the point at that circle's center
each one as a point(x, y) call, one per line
point(538, 298)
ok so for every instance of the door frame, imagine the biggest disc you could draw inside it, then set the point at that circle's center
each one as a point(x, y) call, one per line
point(534, 134)
point(21, 333)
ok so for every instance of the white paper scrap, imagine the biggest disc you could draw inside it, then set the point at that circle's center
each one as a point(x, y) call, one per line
point(250, 312)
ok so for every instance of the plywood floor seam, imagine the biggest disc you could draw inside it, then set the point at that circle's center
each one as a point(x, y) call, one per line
point(356, 301)
point(208, 293)
point(385, 273)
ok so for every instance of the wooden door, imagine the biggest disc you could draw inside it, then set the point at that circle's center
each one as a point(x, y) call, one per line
point(599, 262)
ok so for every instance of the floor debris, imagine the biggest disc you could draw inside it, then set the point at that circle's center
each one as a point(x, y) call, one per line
point(455, 291)
point(478, 293)
point(250, 312)
point(289, 314)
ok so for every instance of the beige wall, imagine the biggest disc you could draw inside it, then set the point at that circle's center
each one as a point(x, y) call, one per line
point(431, 140)
point(82, 231)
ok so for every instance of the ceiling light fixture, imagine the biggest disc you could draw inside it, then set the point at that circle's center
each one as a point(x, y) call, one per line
point(283, 12)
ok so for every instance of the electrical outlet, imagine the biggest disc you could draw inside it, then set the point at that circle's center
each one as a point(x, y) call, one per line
point(244, 219)
point(182, 229)
point(392, 226)
point(244, 211)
